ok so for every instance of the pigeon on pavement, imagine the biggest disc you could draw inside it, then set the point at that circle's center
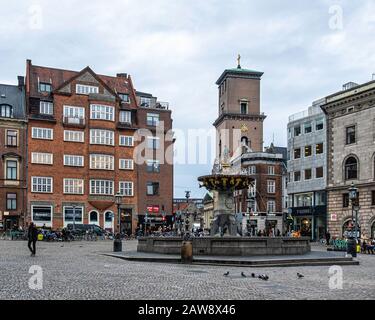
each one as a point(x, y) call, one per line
point(300, 276)
point(243, 275)
point(226, 274)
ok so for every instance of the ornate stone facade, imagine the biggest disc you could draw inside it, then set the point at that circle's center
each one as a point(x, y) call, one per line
point(350, 156)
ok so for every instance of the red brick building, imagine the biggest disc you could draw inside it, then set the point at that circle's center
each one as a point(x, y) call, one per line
point(13, 160)
point(155, 173)
point(81, 148)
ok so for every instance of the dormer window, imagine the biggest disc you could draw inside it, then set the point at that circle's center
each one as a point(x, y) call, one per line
point(45, 87)
point(85, 89)
point(243, 107)
point(6, 111)
point(124, 97)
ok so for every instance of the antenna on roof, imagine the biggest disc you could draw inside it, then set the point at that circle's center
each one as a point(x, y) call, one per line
point(239, 61)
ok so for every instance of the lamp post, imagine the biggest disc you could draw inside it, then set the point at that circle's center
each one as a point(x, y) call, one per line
point(187, 196)
point(353, 241)
point(74, 218)
point(117, 243)
point(118, 200)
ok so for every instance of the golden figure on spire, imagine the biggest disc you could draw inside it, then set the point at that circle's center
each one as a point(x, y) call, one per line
point(239, 61)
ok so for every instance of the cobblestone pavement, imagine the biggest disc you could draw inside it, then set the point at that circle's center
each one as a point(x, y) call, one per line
point(78, 271)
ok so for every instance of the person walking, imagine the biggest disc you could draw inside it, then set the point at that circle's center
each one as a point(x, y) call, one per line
point(328, 238)
point(33, 237)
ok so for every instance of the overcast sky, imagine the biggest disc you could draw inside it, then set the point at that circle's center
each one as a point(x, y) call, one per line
point(176, 49)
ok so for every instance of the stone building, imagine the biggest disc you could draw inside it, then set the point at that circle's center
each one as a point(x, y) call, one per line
point(307, 171)
point(208, 211)
point(350, 157)
point(13, 161)
point(81, 148)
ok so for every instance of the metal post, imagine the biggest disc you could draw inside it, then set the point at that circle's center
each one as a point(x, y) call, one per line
point(119, 218)
point(356, 226)
point(74, 218)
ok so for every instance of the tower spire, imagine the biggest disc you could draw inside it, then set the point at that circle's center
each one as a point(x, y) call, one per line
point(239, 61)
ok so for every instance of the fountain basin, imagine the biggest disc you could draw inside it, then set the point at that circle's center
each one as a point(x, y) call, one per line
point(228, 246)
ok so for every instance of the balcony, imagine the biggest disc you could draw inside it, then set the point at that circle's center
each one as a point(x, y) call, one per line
point(74, 122)
point(124, 125)
point(155, 105)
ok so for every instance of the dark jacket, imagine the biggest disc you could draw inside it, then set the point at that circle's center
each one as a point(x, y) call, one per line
point(33, 233)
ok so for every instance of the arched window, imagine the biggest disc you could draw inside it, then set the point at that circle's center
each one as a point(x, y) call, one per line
point(93, 217)
point(351, 168)
point(6, 111)
point(245, 141)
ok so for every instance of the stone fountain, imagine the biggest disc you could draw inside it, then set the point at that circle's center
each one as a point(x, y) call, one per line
point(223, 182)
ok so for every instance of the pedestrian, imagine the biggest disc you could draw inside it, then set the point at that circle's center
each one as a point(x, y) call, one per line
point(328, 237)
point(33, 237)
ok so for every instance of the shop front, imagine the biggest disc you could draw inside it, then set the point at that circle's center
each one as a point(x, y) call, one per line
point(310, 221)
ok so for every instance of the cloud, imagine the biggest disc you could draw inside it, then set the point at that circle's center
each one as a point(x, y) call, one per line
point(177, 50)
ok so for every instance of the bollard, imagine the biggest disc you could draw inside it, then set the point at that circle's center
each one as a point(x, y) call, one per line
point(187, 252)
point(117, 244)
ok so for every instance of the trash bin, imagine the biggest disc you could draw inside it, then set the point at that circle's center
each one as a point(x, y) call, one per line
point(187, 252)
point(351, 247)
point(117, 244)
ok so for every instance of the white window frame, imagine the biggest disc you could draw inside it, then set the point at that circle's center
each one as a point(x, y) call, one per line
point(154, 146)
point(86, 89)
point(126, 188)
point(71, 160)
point(101, 185)
point(102, 112)
point(271, 170)
point(76, 221)
point(74, 112)
point(123, 140)
point(48, 181)
point(41, 133)
point(271, 186)
point(126, 164)
point(102, 137)
point(42, 158)
point(68, 134)
point(46, 107)
point(127, 118)
point(71, 186)
point(102, 162)
point(273, 206)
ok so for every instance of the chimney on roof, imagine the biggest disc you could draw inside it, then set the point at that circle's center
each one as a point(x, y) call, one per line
point(122, 75)
point(21, 82)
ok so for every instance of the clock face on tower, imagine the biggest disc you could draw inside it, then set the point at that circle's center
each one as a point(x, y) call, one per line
point(229, 203)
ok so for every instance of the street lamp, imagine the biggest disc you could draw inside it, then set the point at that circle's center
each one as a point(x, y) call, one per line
point(187, 196)
point(353, 196)
point(74, 218)
point(118, 200)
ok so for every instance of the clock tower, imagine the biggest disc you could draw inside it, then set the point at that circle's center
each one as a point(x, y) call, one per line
point(240, 122)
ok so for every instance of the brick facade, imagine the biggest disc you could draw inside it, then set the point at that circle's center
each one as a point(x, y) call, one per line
point(98, 209)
